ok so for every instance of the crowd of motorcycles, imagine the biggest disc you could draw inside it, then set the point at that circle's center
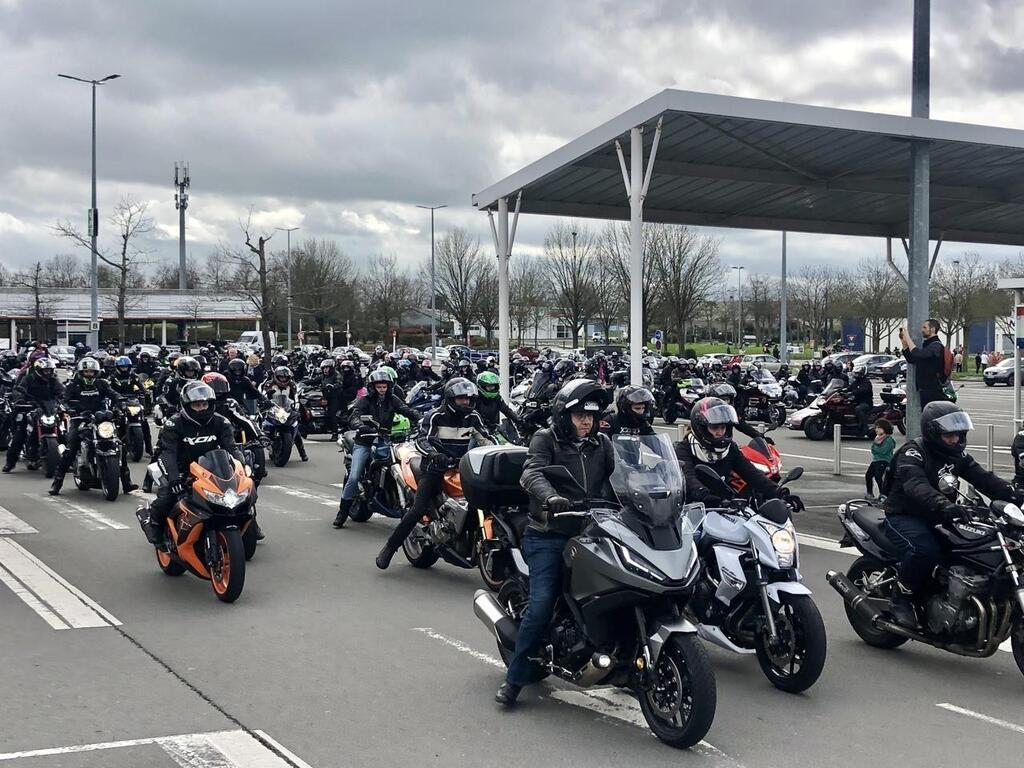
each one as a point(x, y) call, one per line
point(651, 576)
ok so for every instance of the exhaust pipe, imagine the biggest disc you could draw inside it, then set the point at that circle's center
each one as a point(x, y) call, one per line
point(492, 614)
point(854, 597)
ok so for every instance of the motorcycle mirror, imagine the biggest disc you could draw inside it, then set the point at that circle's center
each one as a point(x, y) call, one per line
point(712, 481)
point(559, 474)
point(794, 474)
point(948, 484)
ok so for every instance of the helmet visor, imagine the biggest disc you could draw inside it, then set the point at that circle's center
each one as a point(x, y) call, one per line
point(721, 414)
point(463, 389)
point(954, 422)
point(640, 396)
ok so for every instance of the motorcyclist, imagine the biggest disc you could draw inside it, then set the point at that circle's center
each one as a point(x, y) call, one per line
point(146, 366)
point(193, 431)
point(381, 405)
point(186, 369)
point(126, 384)
point(36, 387)
point(573, 442)
point(1017, 451)
point(634, 412)
point(709, 441)
point(915, 505)
point(427, 373)
point(349, 384)
point(86, 394)
point(491, 406)
point(243, 390)
point(283, 383)
point(803, 381)
point(445, 434)
point(863, 394)
point(240, 419)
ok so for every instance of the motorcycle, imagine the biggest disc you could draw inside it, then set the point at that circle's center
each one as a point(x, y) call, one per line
point(280, 426)
point(131, 422)
point(679, 404)
point(424, 396)
point(836, 407)
point(312, 411)
point(380, 487)
point(751, 598)
point(764, 400)
point(620, 617)
point(98, 463)
point(975, 600)
point(211, 531)
point(46, 427)
point(765, 457)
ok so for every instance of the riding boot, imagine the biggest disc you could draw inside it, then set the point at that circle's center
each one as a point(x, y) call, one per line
point(260, 535)
point(302, 451)
point(126, 481)
point(147, 483)
point(58, 482)
point(7, 468)
point(343, 510)
point(901, 607)
point(384, 556)
point(507, 694)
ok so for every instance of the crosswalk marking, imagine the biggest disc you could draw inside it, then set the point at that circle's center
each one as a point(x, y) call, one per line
point(11, 524)
point(54, 599)
point(90, 518)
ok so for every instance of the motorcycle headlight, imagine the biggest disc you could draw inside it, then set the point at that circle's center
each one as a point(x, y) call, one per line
point(761, 467)
point(134, 410)
point(230, 498)
point(638, 566)
point(47, 421)
point(784, 541)
point(105, 429)
point(281, 415)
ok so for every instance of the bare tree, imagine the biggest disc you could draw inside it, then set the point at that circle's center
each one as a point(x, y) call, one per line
point(614, 245)
point(962, 292)
point(33, 279)
point(486, 299)
point(569, 260)
point(876, 295)
point(529, 297)
point(611, 301)
point(816, 293)
point(65, 270)
point(761, 301)
point(253, 274)
point(458, 266)
point(387, 292)
point(166, 274)
point(321, 280)
point(688, 268)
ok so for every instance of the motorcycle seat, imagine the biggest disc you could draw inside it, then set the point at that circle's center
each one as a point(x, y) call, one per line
point(872, 522)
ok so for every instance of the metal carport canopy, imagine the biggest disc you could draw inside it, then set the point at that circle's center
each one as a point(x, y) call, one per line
point(725, 161)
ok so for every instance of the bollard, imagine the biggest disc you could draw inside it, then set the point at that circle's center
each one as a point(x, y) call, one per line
point(837, 431)
point(991, 447)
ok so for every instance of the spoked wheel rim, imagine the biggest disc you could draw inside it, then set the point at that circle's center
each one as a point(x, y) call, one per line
point(220, 574)
point(670, 696)
point(786, 653)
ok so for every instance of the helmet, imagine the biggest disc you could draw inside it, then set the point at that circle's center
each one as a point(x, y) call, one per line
point(283, 374)
point(87, 369)
point(378, 376)
point(389, 371)
point(723, 391)
point(394, 357)
point(577, 396)
point(459, 387)
point(630, 396)
point(709, 412)
point(942, 418)
point(427, 364)
point(346, 366)
point(188, 368)
point(327, 364)
point(465, 367)
point(236, 367)
point(201, 359)
point(564, 368)
point(123, 365)
point(144, 355)
point(279, 360)
point(488, 384)
point(218, 383)
point(197, 402)
point(173, 358)
point(379, 349)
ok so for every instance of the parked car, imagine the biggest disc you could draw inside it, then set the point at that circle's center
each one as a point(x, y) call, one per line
point(795, 349)
point(841, 358)
point(437, 354)
point(768, 362)
point(65, 355)
point(1000, 373)
point(872, 363)
point(893, 369)
point(530, 353)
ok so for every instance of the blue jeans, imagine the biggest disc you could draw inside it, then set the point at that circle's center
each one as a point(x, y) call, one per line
point(543, 553)
point(360, 458)
point(921, 549)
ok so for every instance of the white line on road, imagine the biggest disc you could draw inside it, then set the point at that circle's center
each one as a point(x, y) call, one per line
point(326, 501)
point(820, 542)
point(11, 524)
point(90, 518)
point(984, 718)
point(461, 646)
point(47, 593)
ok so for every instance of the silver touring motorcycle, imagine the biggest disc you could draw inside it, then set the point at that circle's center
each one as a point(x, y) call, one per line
point(629, 576)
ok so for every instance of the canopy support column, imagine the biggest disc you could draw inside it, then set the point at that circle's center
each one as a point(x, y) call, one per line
point(163, 333)
point(783, 340)
point(504, 238)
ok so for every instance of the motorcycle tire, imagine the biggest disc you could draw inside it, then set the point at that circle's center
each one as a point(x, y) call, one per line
point(280, 450)
point(495, 575)
point(683, 670)
point(249, 541)
point(167, 565)
point(816, 427)
point(419, 555)
point(110, 477)
point(901, 427)
point(360, 511)
point(228, 579)
point(862, 568)
point(778, 415)
point(1017, 644)
point(136, 444)
point(51, 456)
point(802, 638)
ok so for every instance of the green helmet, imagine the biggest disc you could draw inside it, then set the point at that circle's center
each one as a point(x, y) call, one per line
point(488, 384)
point(389, 371)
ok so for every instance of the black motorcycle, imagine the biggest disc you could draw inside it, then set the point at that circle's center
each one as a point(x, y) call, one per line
point(131, 423)
point(98, 463)
point(630, 575)
point(281, 425)
point(312, 411)
point(45, 426)
point(975, 601)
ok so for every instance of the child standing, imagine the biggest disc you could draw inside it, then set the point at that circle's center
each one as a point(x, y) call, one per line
point(882, 449)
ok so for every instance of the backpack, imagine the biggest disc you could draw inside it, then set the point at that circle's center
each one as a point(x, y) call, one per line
point(947, 364)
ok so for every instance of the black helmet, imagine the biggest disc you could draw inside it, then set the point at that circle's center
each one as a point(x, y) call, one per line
point(630, 396)
point(712, 411)
point(577, 396)
point(459, 387)
point(465, 367)
point(173, 358)
point(283, 374)
point(278, 360)
point(46, 368)
point(192, 395)
point(236, 367)
point(327, 364)
point(188, 368)
point(943, 418)
point(723, 391)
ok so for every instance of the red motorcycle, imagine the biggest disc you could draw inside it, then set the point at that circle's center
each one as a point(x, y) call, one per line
point(837, 407)
point(765, 457)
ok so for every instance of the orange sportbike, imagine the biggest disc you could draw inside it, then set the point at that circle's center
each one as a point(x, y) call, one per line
point(212, 529)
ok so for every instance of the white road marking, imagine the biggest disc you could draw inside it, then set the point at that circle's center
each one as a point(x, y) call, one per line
point(220, 749)
point(262, 505)
point(11, 524)
point(461, 646)
point(42, 588)
point(318, 498)
point(90, 518)
point(984, 718)
point(820, 542)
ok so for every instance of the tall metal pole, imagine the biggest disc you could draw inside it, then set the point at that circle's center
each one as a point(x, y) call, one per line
point(636, 256)
point(783, 340)
point(182, 180)
point(920, 221)
point(94, 309)
point(739, 308)
point(504, 251)
point(433, 289)
point(288, 279)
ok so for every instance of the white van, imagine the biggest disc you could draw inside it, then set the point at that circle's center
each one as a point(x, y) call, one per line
point(254, 339)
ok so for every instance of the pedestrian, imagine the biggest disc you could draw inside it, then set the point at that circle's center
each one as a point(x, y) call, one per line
point(928, 361)
point(984, 360)
point(958, 361)
point(882, 449)
point(775, 351)
point(888, 351)
point(977, 362)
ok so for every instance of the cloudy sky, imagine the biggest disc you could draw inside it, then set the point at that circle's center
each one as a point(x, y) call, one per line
point(339, 117)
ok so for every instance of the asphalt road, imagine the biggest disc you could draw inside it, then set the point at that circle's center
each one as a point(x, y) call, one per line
point(325, 661)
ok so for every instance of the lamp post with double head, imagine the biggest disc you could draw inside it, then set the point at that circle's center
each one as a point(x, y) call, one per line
point(433, 284)
point(288, 281)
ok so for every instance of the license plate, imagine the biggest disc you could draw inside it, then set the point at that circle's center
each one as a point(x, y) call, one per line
point(316, 412)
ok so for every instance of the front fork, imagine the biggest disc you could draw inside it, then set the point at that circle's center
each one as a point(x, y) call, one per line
point(1013, 570)
point(766, 602)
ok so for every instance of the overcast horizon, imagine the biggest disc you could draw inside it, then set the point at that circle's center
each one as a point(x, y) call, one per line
point(341, 118)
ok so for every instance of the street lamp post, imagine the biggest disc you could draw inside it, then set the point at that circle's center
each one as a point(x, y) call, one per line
point(433, 286)
point(288, 281)
point(739, 318)
point(94, 218)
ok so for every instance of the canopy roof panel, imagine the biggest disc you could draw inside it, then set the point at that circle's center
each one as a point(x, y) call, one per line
point(725, 161)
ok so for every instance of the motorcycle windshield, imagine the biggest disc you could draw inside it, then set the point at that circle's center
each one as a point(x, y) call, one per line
point(282, 401)
point(647, 479)
point(541, 379)
point(218, 463)
point(833, 386)
point(762, 377)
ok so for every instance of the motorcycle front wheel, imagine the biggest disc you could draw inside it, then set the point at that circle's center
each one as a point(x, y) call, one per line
point(679, 707)
point(778, 415)
point(110, 477)
point(51, 456)
point(1017, 644)
point(136, 444)
point(816, 427)
point(794, 661)
point(228, 577)
point(280, 450)
point(417, 551)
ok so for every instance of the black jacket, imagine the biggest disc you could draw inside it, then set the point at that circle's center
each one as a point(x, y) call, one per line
point(1017, 451)
point(591, 462)
point(182, 441)
point(128, 387)
point(732, 461)
point(491, 410)
point(382, 410)
point(96, 395)
point(618, 425)
point(34, 389)
point(915, 482)
point(243, 389)
point(927, 360)
point(450, 433)
point(861, 390)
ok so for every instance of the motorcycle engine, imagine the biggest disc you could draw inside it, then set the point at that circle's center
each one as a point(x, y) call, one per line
point(444, 527)
point(952, 612)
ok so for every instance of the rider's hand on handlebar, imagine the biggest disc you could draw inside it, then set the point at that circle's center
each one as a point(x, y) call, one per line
point(957, 512)
point(795, 503)
point(556, 505)
point(711, 501)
